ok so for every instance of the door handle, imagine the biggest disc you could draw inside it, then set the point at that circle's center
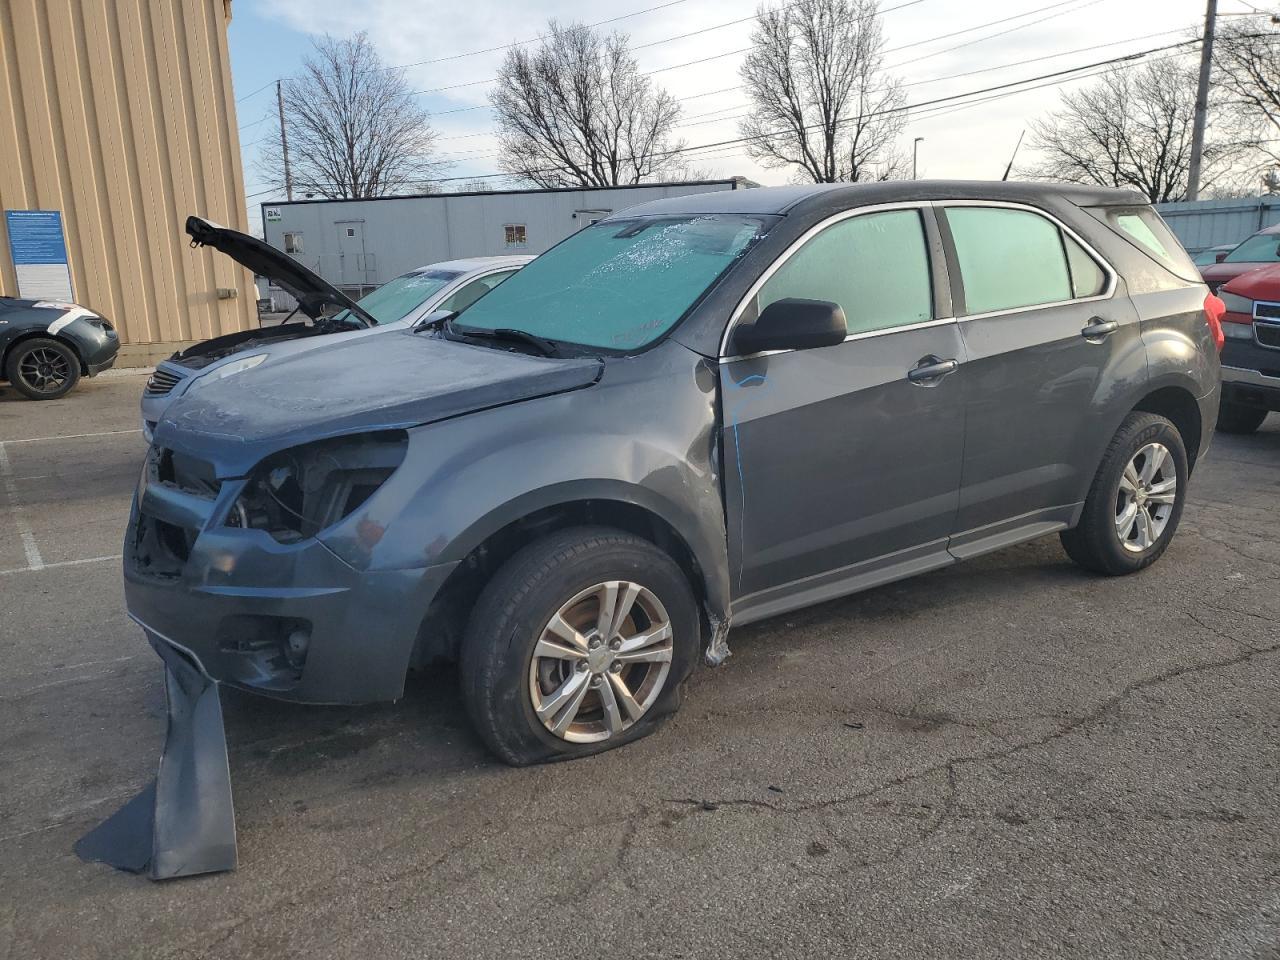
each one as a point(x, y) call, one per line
point(1099, 329)
point(930, 370)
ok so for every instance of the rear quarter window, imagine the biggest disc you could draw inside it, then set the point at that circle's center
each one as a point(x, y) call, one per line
point(1143, 228)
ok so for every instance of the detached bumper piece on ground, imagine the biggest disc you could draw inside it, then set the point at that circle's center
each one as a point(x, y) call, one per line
point(183, 823)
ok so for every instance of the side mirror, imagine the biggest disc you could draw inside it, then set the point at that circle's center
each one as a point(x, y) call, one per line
point(792, 324)
point(1220, 256)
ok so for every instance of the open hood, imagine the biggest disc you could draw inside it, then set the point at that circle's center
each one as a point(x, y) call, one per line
point(312, 292)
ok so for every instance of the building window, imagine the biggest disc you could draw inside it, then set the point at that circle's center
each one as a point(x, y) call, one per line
point(293, 243)
point(351, 231)
point(515, 234)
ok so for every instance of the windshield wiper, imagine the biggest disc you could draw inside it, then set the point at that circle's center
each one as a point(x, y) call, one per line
point(544, 346)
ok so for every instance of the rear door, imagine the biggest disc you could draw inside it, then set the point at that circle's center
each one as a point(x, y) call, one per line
point(1046, 333)
point(843, 463)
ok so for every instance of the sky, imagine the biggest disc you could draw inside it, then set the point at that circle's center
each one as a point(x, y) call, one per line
point(929, 44)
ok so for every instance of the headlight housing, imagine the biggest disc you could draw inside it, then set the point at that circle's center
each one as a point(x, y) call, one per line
point(239, 365)
point(1237, 304)
point(297, 493)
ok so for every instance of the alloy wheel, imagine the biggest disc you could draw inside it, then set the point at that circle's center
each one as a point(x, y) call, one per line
point(1146, 498)
point(601, 662)
point(44, 370)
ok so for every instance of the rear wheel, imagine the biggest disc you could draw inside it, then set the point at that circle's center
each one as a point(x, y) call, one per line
point(1136, 500)
point(578, 644)
point(1237, 418)
point(42, 369)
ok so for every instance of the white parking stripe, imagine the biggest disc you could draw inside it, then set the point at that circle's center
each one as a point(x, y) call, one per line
point(73, 436)
point(60, 563)
point(34, 560)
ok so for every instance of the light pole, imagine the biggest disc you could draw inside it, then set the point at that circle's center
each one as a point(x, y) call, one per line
point(915, 151)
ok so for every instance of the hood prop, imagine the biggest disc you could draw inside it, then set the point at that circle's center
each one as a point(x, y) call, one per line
point(183, 822)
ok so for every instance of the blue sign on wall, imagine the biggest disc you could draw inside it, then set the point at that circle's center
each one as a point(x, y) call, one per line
point(39, 253)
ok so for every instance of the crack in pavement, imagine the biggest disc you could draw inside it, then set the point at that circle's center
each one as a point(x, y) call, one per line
point(951, 765)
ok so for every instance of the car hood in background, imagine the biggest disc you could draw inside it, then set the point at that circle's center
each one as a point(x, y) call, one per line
point(1216, 274)
point(397, 380)
point(312, 292)
point(1263, 284)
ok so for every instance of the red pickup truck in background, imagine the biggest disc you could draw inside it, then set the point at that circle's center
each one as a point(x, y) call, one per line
point(1251, 354)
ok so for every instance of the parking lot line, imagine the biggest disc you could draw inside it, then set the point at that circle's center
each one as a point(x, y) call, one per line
point(60, 563)
point(72, 436)
point(34, 560)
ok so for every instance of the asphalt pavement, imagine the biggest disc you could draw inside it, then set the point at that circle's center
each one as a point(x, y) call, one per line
point(1007, 758)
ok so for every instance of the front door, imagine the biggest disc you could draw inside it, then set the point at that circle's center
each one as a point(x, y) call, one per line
point(842, 464)
point(1044, 333)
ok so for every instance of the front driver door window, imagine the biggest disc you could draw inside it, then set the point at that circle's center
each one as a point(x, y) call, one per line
point(839, 468)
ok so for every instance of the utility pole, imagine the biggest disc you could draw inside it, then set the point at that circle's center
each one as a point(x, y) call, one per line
point(1202, 101)
point(915, 149)
point(284, 144)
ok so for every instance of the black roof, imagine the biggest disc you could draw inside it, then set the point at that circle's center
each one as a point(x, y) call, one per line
point(781, 200)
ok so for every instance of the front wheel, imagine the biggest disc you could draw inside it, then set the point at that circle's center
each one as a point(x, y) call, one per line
point(578, 644)
point(1136, 499)
point(42, 368)
point(1237, 418)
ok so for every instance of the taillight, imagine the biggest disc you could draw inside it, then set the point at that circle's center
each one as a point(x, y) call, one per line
point(1214, 308)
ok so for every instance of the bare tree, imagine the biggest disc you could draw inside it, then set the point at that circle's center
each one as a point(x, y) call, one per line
point(820, 97)
point(1246, 87)
point(1132, 128)
point(576, 111)
point(353, 127)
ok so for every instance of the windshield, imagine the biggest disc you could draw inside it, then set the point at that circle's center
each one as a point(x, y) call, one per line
point(1260, 248)
point(398, 297)
point(620, 284)
point(1206, 257)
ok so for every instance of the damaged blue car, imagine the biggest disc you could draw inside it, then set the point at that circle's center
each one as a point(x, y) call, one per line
point(700, 412)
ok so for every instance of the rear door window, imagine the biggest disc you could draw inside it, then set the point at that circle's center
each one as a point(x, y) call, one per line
point(875, 266)
point(1008, 258)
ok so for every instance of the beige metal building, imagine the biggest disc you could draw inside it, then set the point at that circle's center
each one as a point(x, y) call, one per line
point(120, 116)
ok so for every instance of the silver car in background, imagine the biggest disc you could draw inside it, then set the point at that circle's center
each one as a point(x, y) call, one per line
point(396, 305)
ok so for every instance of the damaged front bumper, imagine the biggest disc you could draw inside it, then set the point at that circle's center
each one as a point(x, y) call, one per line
point(183, 823)
point(291, 621)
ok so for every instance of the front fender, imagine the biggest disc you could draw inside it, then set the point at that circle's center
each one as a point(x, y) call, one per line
point(645, 435)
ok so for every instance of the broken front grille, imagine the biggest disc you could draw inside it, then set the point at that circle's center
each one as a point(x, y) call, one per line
point(161, 382)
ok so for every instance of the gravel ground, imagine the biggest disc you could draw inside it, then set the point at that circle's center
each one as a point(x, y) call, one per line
point(1008, 758)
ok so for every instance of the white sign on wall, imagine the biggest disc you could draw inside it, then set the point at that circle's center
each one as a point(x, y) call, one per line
point(39, 254)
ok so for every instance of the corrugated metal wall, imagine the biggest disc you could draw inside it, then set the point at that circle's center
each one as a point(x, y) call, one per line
point(120, 114)
point(1202, 224)
point(355, 243)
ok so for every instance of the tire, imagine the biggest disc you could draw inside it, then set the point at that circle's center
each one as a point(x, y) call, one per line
point(1237, 418)
point(42, 368)
point(1103, 541)
point(562, 576)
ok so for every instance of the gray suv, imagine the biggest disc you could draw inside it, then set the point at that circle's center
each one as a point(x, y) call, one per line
point(697, 413)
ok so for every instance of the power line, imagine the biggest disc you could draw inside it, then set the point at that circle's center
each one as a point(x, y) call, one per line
point(899, 109)
point(945, 36)
point(474, 53)
point(681, 36)
point(967, 73)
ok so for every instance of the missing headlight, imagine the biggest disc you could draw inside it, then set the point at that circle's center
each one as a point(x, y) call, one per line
point(296, 493)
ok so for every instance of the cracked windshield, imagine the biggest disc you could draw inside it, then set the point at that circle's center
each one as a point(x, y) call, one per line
point(618, 285)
